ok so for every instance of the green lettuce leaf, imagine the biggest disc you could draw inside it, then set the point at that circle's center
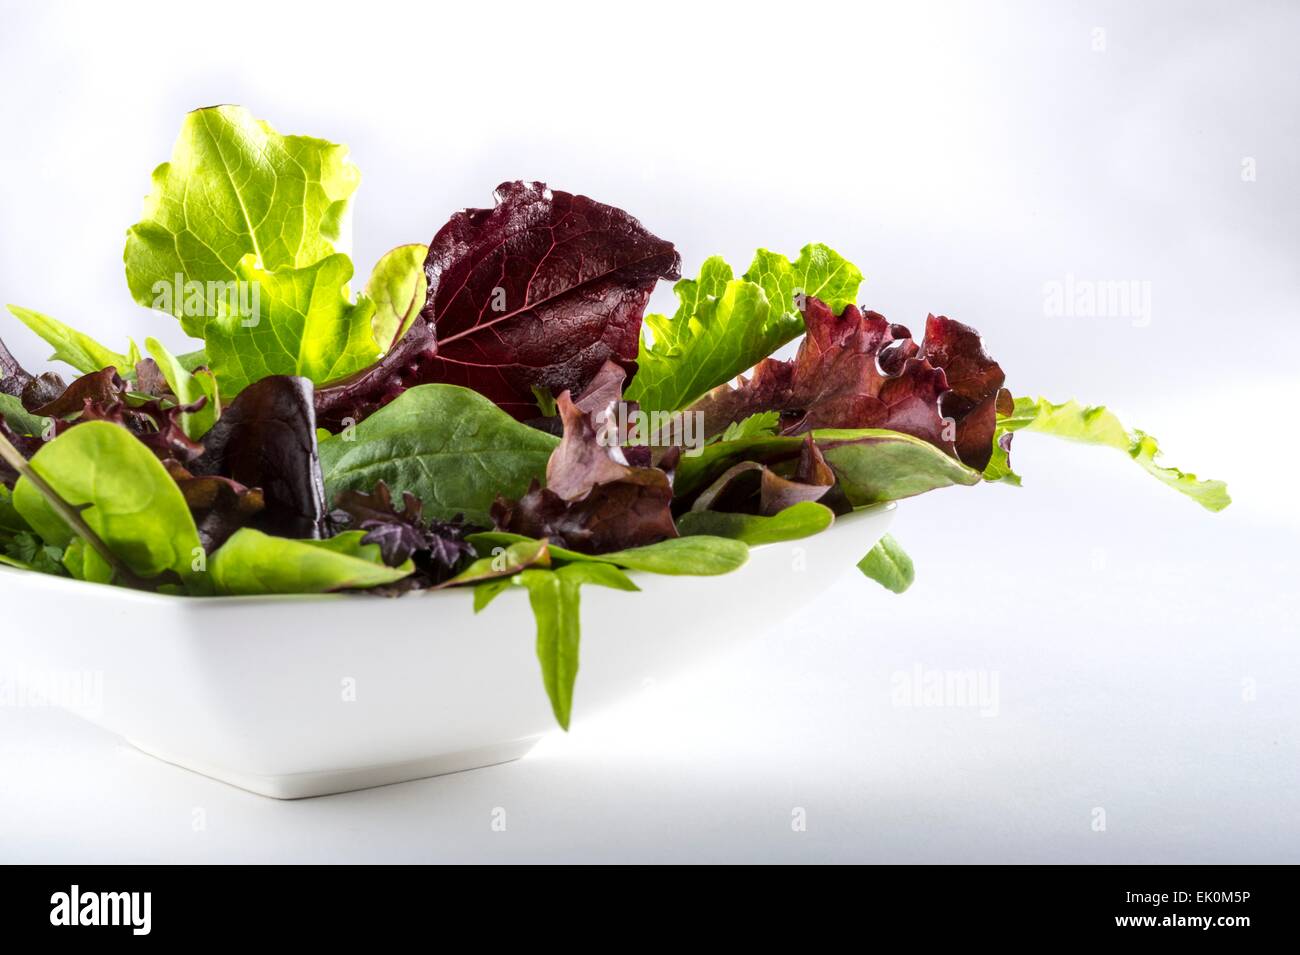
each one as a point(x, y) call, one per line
point(235, 187)
point(1096, 425)
point(74, 348)
point(798, 520)
point(452, 448)
point(888, 565)
point(304, 325)
point(255, 563)
point(722, 327)
point(188, 387)
point(762, 424)
point(819, 272)
point(125, 496)
point(398, 287)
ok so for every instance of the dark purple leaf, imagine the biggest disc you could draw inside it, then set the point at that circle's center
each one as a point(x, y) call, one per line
point(13, 377)
point(360, 395)
point(27, 445)
point(42, 389)
point(266, 438)
point(220, 506)
point(99, 388)
point(539, 291)
point(438, 548)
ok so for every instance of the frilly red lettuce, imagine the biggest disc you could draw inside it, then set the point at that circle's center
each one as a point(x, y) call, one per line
point(858, 370)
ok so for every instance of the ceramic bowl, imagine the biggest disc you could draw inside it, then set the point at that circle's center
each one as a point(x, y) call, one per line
point(303, 696)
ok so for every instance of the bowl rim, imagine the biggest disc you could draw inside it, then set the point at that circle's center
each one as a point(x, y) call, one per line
point(71, 585)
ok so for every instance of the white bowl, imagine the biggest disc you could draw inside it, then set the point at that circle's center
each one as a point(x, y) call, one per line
point(303, 696)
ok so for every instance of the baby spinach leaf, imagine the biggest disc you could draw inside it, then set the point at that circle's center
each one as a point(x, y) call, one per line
point(1096, 425)
point(701, 555)
point(74, 348)
point(874, 466)
point(188, 388)
point(11, 522)
point(553, 595)
point(487, 591)
point(235, 187)
point(83, 563)
point(506, 559)
point(19, 418)
point(556, 608)
point(124, 494)
point(596, 572)
point(888, 565)
point(798, 520)
point(871, 465)
point(255, 563)
point(398, 287)
point(449, 446)
point(682, 556)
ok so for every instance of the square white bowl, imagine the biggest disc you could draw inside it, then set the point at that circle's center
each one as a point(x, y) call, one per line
point(304, 696)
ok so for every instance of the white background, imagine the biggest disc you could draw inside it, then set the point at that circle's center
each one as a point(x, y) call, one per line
point(964, 156)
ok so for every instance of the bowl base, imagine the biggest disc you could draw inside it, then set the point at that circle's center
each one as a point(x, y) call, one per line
point(324, 783)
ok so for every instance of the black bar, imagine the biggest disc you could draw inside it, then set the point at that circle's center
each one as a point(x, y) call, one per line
point(243, 903)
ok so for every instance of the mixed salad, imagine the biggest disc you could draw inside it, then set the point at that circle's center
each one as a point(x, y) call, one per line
point(492, 409)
